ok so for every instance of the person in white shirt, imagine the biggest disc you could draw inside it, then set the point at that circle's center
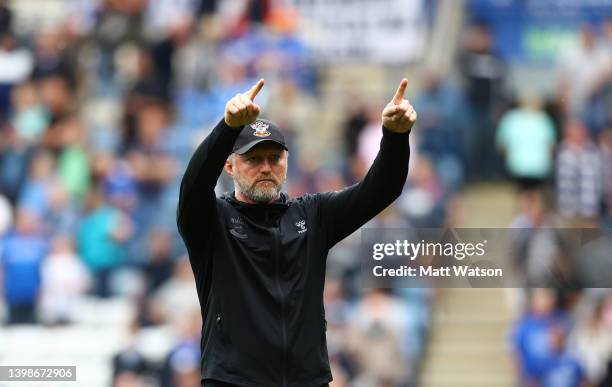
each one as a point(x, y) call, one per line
point(65, 280)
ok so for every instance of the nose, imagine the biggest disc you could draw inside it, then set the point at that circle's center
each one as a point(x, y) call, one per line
point(265, 166)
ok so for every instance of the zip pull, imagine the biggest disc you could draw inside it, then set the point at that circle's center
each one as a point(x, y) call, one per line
point(218, 318)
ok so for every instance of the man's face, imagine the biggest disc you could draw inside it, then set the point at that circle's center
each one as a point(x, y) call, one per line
point(259, 174)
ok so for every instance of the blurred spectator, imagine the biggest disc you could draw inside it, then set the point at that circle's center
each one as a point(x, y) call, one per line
point(58, 97)
point(153, 167)
point(292, 109)
point(119, 182)
point(6, 215)
point(541, 256)
point(15, 66)
point(73, 160)
point(101, 240)
point(163, 15)
point(357, 119)
point(80, 17)
point(532, 339)
point(579, 173)
point(341, 379)
point(196, 61)
point(164, 52)
point(177, 297)
point(424, 199)
point(563, 369)
point(43, 192)
point(442, 126)
point(29, 115)
point(64, 281)
point(484, 73)
point(417, 302)
point(606, 160)
point(592, 340)
point(128, 379)
point(527, 136)
point(182, 365)
point(595, 259)
point(24, 249)
point(207, 7)
point(160, 265)
point(146, 89)
point(51, 57)
point(130, 359)
point(6, 18)
point(368, 145)
point(597, 114)
point(581, 71)
point(337, 311)
point(607, 33)
point(287, 54)
point(375, 331)
point(607, 380)
point(534, 212)
point(15, 157)
point(231, 77)
point(116, 22)
point(148, 156)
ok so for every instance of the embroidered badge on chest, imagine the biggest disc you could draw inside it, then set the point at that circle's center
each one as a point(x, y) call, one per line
point(238, 229)
point(301, 225)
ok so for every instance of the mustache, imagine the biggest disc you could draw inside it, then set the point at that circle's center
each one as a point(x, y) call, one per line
point(266, 178)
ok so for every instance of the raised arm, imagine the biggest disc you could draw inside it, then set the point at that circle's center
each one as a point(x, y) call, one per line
point(345, 211)
point(197, 203)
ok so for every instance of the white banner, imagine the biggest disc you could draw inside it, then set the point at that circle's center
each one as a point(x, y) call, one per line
point(378, 31)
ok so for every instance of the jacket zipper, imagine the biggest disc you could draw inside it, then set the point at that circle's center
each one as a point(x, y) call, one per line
point(275, 231)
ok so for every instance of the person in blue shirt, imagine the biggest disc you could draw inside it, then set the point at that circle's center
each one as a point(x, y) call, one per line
point(563, 369)
point(532, 339)
point(101, 240)
point(23, 249)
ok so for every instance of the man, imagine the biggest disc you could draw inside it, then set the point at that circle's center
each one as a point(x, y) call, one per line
point(259, 256)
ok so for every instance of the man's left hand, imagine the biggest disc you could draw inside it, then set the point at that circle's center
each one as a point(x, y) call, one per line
point(399, 116)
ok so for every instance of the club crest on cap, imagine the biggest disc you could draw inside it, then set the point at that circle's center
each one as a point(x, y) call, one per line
point(261, 129)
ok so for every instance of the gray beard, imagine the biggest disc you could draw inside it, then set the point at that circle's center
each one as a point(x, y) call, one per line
point(257, 193)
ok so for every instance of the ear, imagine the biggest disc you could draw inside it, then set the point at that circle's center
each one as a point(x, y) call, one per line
point(229, 168)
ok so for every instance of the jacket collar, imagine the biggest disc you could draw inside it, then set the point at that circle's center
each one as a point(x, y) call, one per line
point(265, 215)
point(280, 204)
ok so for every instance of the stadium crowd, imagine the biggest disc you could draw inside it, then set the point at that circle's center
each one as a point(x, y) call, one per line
point(100, 112)
point(559, 156)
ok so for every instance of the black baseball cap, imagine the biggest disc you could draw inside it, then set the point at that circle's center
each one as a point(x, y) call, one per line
point(259, 131)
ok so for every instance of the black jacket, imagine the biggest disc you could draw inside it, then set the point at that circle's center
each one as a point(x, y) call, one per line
point(260, 269)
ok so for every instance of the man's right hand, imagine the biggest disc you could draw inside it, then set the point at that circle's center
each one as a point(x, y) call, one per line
point(241, 110)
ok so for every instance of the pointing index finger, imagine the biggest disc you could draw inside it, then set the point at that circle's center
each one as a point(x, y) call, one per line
point(399, 94)
point(252, 93)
